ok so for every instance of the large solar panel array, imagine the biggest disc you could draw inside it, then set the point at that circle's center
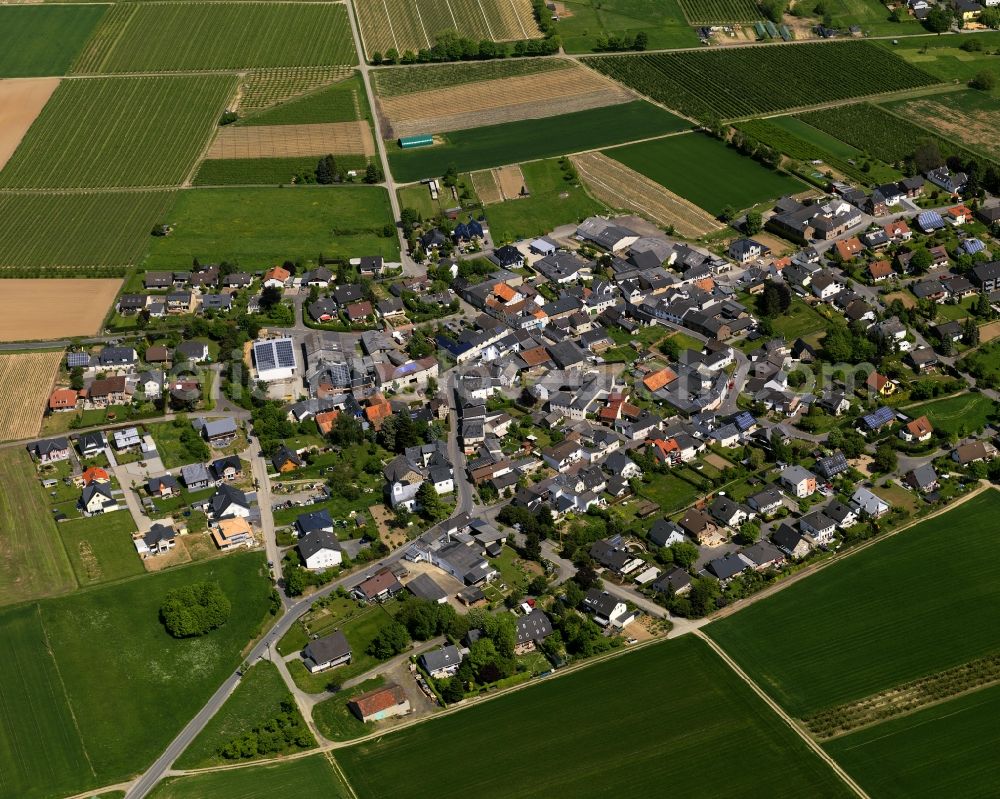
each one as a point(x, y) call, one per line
point(274, 354)
point(285, 354)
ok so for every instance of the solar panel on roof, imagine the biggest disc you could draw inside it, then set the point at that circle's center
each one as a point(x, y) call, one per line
point(284, 353)
point(265, 356)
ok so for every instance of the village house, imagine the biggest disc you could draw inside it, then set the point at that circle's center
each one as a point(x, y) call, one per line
point(380, 703)
point(326, 652)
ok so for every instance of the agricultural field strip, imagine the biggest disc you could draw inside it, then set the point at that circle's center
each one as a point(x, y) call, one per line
point(906, 698)
point(264, 88)
point(26, 380)
point(485, 184)
point(395, 81)
point(706, 12)
point(625, 188)
point(743, 82)
point(282, 141)
point(503, 100)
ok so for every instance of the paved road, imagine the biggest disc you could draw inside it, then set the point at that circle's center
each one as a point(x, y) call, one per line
point(258, 464)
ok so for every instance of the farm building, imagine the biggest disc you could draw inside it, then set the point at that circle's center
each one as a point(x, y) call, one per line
point(274, 359)
point(409, 142)
point(389, 700)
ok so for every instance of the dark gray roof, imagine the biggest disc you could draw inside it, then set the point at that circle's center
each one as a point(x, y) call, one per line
point(441, 658)
point(317, 541)
point(228, 495)
point(534, 626)
point(315, 520)
point(423, 587)
point(329, 647)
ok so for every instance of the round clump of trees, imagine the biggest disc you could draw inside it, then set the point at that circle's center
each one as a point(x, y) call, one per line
point(195, 609)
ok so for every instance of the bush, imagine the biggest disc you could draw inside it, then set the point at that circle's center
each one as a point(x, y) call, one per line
point(195, 610)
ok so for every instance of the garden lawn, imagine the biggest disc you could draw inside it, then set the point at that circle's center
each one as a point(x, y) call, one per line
point(100, 547)
point(334, 719)
point(168, 442)
point(876, 619)
point(706, 172)
point(948, 749)
point(942, 56)
point(961, 415)
point(33, 562)
point(713, 718)
point(529, 139)
point(256, 700)
point(669, 492)
point(308, 776)
point(43, 40)
point(258, 227)
point(798, 321)
point(554, 201)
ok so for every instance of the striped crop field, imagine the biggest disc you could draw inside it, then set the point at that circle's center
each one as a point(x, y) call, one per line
point(65, 233)
point(748, 81)
point(141, 37)
point(414, 25)
point(146, 131)
point(713, 12)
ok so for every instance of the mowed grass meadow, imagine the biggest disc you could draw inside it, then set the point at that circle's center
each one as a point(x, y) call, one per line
point(671, 717)
point(496, 145)
point(257, 227)
point(705, 171)
point(913, 605)
point(308, 776)
point(43, 40)
point(947, 749)
point(137, 131)
point(158, 37)
point(63, 232)
point(33, 562)
point(962, 415)
point(94, 688)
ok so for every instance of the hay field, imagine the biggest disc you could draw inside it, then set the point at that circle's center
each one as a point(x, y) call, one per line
point(96, 133)
point(72, 308)
point(970, 118)
point(485, 183)
point(618, 186)
point(177, 36)
point(289, 141)
point(21, 100)
point(26, 380)
point(491, 102)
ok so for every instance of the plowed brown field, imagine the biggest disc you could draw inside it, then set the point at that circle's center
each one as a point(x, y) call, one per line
point(493, 102)
point(282, 141)
point(26, 380)
point(620, 187)
point(511, 180)
point(21, 100)
point(48, 309)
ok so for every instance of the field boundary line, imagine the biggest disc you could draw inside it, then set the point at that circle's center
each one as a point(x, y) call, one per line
point(451, 11)
point(388, 19)
point(517, 16)
point(340, 773)
point(62, 685)
point(234, 92)
point(962, 393)
point(776, 708)
point(486, 20)
point(420, 19)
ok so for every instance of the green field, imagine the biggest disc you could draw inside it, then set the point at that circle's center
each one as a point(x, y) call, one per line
point(962, 415)
point(744, 82)
point(100, 548)
point(34, 563)
point(705, 171)
point(553, 202)
point(110, 132)
point(359, 629)
point(942, 56)
point(255, 701)
point(257, 227)
point(112, 677)
point(799, 321)
point(41, 752)
point(308, 776)
point(947, 749)
point(41, 231)
point(265, 171)
point(836, 652)
point(495, 145)
point(711, 12)
point(593, 21)
point(702, 715)
point(43, 40)
point(158, 37)
point(872, 16)
point(404, 80)
point(344, 101)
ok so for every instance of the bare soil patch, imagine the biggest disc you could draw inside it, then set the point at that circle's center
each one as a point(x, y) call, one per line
point(485, 184)
point(284, 141)
point(620, 187)
point(976, 129)
point(493, 102)
point(26, 380)
point(907, 299)
point(989, 331)
point(47, 309)
point(511, 181)
point(717, 461)
point(21, 100)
